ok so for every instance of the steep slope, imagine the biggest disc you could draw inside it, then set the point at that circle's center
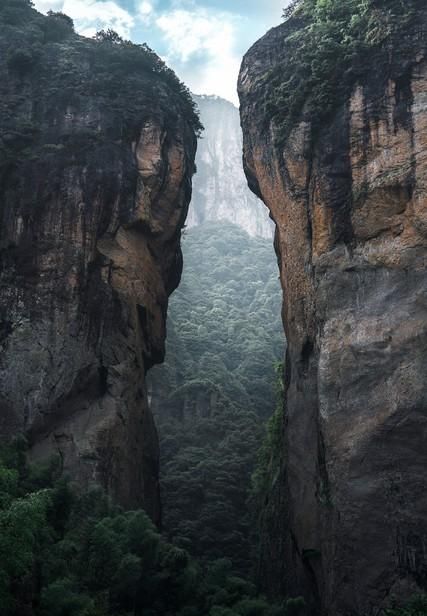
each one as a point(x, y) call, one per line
point(345, 181)
point(220, 191)
point(212, 395)
point(97, 146)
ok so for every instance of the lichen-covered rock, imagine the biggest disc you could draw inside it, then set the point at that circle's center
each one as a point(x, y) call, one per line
point(96, 159)
point(346, 522)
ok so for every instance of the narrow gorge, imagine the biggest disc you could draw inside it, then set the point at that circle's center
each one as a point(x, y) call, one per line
point(217, 388)
point(275, 463)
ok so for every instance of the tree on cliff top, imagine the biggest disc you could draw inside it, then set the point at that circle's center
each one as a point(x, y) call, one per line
point(44, 53)
point(329, 47)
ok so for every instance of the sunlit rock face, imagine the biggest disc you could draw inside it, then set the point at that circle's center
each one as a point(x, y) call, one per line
point(347, 517)
point(91, 217)
point(220, 190)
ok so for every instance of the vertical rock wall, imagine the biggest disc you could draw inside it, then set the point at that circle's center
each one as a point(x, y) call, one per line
point(346, 520)
point(94, 186)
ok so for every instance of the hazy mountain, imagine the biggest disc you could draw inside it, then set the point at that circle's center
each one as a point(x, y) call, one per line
point(220, 190)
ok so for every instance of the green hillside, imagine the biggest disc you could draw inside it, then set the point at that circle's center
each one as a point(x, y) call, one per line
point(212, 396)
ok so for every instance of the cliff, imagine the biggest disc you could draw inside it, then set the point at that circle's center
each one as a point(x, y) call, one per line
point(97, 146)
point(220, 190)
point(346, 517)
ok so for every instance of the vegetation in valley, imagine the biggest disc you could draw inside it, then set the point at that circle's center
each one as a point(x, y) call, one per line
point(67, 553)
point(329, 47)
point(63, 553)
point(417, 606)
point(216, 390)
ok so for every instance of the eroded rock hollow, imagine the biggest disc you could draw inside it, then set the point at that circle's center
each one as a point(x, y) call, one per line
point(346, 519)
point(97, 154)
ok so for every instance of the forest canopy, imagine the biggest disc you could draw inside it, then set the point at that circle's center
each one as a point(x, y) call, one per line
point(66, 553)
point(217, 389)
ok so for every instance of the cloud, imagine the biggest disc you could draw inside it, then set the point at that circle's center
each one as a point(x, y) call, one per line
point(145, 11)
point(189, 32)
point(48, 5)
point(202, 37)
point(92, 15)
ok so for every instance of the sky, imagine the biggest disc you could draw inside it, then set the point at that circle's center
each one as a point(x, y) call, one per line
point(203, 41)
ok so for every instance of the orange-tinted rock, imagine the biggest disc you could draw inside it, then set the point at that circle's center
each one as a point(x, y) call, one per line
point(346, 522)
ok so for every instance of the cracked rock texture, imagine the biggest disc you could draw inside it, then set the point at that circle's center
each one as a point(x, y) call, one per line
point(346, 520)
point(92, 205)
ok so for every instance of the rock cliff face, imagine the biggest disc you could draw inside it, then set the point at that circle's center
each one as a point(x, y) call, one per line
point(95, 181)
point(220, 190)
point(346, 522)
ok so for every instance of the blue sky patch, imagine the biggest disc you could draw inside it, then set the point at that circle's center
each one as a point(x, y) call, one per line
point(202, 41)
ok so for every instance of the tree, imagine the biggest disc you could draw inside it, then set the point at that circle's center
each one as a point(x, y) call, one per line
point(58, 26)
point(109, 36)
point(328, 48)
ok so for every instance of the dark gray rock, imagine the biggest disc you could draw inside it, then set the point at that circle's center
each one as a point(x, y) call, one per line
point(346, 520)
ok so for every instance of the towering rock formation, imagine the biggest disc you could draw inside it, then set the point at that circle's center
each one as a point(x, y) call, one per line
point(220, 190)
point(97, 146)
point(346, 522)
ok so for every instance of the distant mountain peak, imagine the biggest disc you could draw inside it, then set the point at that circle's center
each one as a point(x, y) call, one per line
point(213, 98)
point(220, 190)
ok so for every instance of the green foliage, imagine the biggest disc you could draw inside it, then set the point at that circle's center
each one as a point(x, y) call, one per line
point(60, 598)
point(42, 59)
point(417, 606)
point(295, 607)
point(21, 61)
point(58, 27)
point(109, 36)
point(329, 47)
point(269, 454)
point(13, 12)
point(216, 389)
point(20, 4)
point(119, 65)
point(23, 528)
point(69, 554)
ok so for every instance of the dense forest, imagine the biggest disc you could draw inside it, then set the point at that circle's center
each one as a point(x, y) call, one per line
point(64, 553)
point(217, 388)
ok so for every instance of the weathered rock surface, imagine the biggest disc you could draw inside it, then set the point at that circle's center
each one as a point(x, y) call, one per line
point(346, 522)
point(94, 191)
point(220, 190)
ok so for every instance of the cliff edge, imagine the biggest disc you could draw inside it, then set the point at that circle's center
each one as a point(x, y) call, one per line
point(345, 521)
point(97, 146)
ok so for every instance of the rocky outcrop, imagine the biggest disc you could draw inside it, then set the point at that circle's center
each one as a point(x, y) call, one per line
point(346, 521)
point(97, 156)
point(220, 190)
